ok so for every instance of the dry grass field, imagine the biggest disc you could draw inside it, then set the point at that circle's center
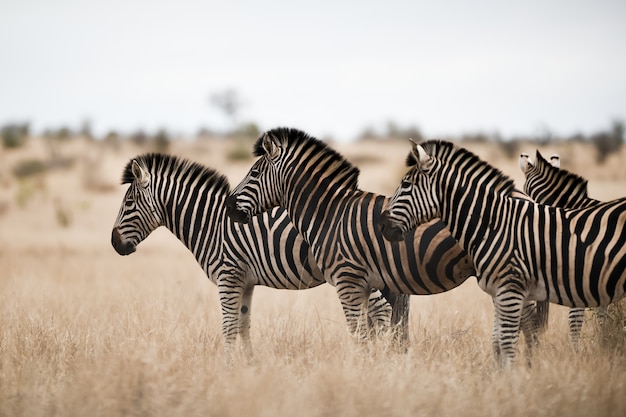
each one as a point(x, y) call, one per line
point(86, 332)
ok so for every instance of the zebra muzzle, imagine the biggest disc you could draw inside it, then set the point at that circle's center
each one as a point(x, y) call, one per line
point(234, 212)
point(122, 247)
point(390, 231)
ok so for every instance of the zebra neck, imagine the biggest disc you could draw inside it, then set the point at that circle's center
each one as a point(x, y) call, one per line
point(316, 208)
point(473, 216)
point(196, 215)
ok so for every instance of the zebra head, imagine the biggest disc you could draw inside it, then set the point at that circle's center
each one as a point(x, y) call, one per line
point(414, 201)
point(259, 190)
point(138, 215)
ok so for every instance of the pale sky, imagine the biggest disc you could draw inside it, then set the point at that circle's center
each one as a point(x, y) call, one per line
point(331, 68)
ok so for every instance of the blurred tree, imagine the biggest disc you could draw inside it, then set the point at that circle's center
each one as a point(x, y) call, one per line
point(229, 102)
point(14, 135)
point(607, 143)
point(139, 138)
point(86, 130)
point(161, 141)
point(248, 129)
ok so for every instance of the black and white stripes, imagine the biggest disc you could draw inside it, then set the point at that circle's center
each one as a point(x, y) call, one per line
point(318, 188)
point(188, 199)
point(521, 250)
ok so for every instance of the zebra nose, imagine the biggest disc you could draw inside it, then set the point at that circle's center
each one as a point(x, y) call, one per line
point(234, 212)
point(121, 247)
point(390, 231)
point(231, 202)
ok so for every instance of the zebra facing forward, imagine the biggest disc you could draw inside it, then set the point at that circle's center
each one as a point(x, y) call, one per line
point(188, 199)
point(547, 184)
point(521, 250)
point(318, 188)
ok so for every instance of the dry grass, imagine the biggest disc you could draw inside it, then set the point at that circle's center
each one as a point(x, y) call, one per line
point(85, 332)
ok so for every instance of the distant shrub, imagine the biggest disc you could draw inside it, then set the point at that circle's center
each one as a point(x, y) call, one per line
point(29, 167)
point(240, 152)
point(249, 129)
point(607, 143)
point(510, 148)
point(161, 141)
point(26, 190)
point(613, 330)
point(63, 215)
point(14, 135)
point(139, 138)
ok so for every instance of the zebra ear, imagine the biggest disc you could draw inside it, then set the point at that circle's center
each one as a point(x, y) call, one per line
point(140, 174)
point(524, 162)
point(555, 160)
point(271, 146)
point(424, 161)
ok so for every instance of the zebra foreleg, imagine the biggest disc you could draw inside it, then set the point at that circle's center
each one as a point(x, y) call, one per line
point(400, 305)
point(509, 304)
point(576, 317)
point(245, 312)
point(353, 294)
point(231, 290)
point(530, 327)
point(495, 338)
point(379, 311)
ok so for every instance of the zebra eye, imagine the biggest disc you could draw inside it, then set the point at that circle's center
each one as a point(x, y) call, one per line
point(128, 203)
point(406, 184)
point(255, 173)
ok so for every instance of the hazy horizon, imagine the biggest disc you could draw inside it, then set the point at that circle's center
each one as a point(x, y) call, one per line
point(333, 69)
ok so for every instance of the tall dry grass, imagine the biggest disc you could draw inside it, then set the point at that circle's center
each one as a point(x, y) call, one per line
point(85, 332)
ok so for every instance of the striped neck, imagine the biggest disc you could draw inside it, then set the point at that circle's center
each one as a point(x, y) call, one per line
point(314, 180)
point(471, 192)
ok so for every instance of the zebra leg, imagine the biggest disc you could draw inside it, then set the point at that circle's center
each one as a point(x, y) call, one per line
point(530, 323)
point(230, 289)
point(400, 305)
point(495, 337)
point(576, 317)
point(244, 321)
point(378, 312)
point(353, 294)
point(509, 304)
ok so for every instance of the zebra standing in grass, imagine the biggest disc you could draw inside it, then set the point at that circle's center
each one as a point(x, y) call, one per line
point(547, 184)
point(318, 188)
point(188, 199)
point(521, 250)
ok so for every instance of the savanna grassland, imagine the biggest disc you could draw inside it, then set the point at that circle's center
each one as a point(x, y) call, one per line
point(86, 332)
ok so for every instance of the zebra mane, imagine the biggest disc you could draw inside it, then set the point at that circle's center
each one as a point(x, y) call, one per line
point(448, 151)
point(292, 138)
point(544, 167)
point(158, 164)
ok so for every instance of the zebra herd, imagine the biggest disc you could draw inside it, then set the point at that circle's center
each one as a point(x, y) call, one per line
point(298, 219)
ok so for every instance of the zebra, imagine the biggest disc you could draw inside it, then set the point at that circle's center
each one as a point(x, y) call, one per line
point(521, 250)
point(188, 199)
point(318, 188)
point(547, 184)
